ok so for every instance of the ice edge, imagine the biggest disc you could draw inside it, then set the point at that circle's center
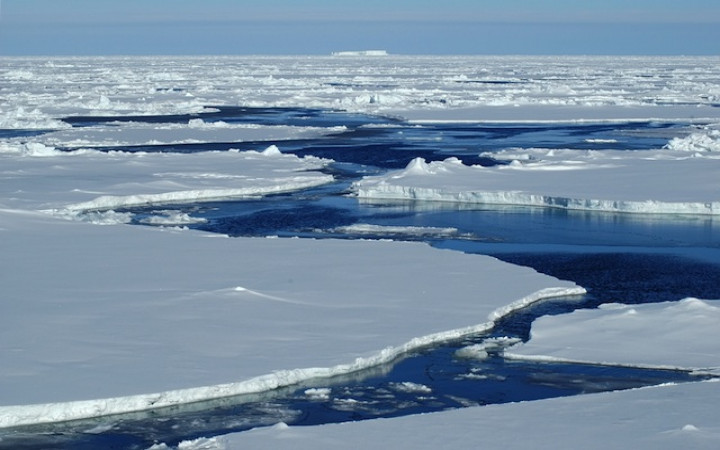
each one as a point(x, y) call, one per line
point(109, 202)
point(710, 371)
point(383, 190)
point(13, 416)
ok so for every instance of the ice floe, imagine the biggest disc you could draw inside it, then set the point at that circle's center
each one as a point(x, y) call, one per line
point(370, 229)
point(633, 183)
point(681, 334)
point(705, 139)
point(145, 318)
point(661, 417)
point(72, 183)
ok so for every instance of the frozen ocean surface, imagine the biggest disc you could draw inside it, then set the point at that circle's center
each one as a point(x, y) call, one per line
point(589, 169)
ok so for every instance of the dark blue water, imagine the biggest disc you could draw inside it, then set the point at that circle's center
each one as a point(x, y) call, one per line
point(617, 257)
point(15, 133)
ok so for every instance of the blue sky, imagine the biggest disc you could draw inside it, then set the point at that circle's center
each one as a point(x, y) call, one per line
point(80, 27)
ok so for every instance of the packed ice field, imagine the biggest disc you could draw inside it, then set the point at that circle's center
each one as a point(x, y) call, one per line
point(101, 317)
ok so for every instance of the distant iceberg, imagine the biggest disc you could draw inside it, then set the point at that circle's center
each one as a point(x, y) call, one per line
point(362, 53)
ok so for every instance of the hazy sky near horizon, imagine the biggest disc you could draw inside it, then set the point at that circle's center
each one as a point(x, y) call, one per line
point(81, 27)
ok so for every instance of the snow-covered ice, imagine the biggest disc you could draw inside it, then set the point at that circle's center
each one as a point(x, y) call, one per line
point(143, 311)
point(683, 334)
point(89, 180)
point(677, 334)
point(704, 139)
point(369, 229)
point(663, 417)
point(571, 180)
point(104, 319)
point(487, 88)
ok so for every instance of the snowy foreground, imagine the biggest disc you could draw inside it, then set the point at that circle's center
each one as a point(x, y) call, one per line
point(104, 319)
point(663, 417)
point(149, 313)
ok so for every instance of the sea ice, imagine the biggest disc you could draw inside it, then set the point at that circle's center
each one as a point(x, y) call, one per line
point(477, 88)
point(638, 183)
point(370, 229)
point(72, 183)
point(683, 334)
point(705, 139)
point(662, 417)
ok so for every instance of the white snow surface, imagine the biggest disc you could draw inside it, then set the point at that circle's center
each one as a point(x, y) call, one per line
point(705, 139)
point(85, 180)
point(683, 334)
point(662, 417)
